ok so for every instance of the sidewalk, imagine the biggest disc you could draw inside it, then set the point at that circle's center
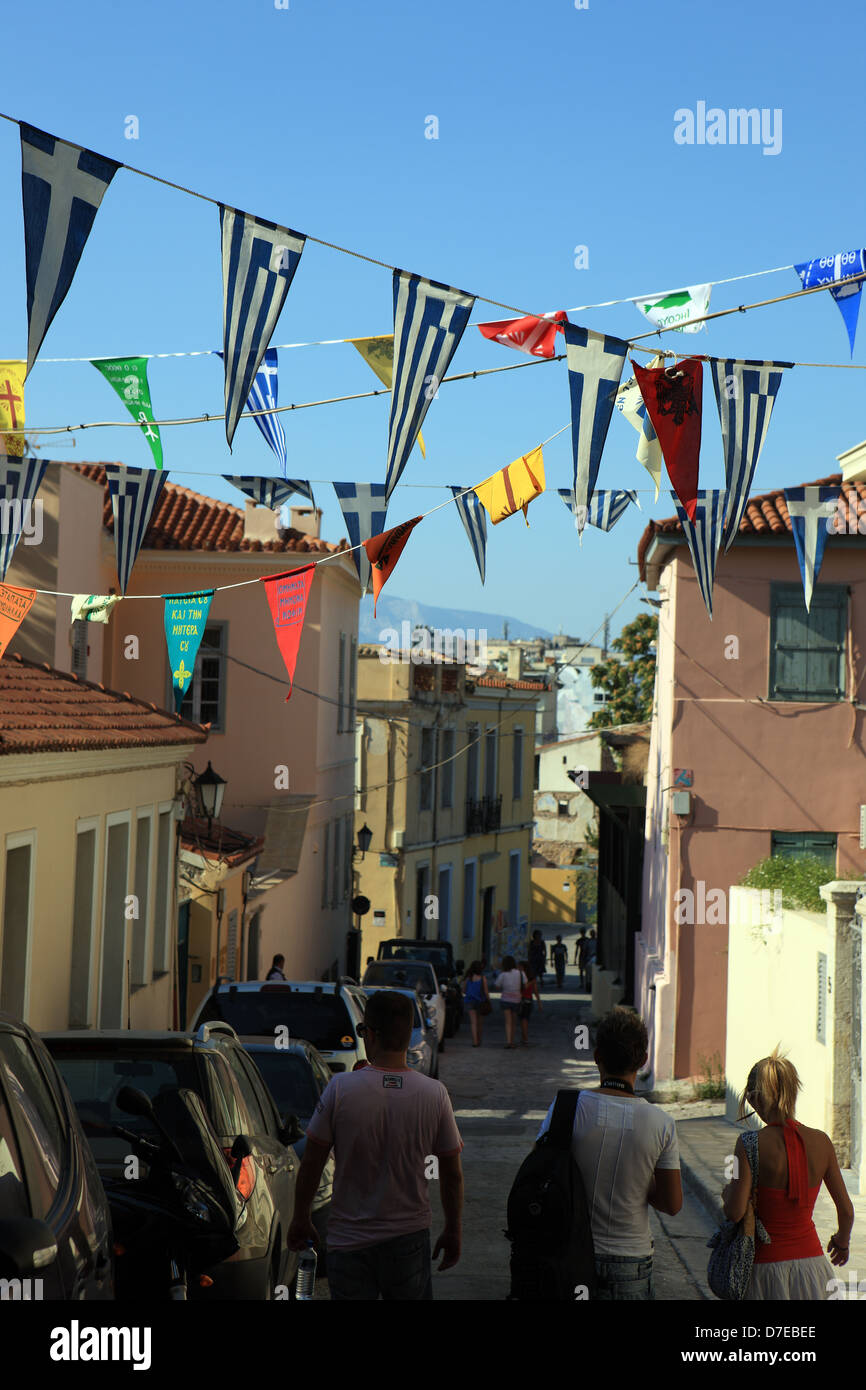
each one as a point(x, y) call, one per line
point(705, 1143)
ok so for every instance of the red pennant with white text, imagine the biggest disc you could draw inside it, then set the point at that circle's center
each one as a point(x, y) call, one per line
point(287, 596)
point(673, 396)
point(383, 552)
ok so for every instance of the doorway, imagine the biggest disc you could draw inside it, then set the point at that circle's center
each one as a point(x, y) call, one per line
point(487, 921)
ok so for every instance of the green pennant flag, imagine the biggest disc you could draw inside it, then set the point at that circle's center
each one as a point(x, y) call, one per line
point(128, 376)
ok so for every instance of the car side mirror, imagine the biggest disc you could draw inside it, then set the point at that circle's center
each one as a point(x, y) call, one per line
point(27, 1245)
point(135, 1102)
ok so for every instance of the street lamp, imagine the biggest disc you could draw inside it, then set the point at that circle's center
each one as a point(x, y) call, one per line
point(211, 789)
point(365, 836)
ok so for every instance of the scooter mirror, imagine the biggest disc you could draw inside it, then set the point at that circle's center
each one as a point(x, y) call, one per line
point(241, 1148)
point(134, 1102)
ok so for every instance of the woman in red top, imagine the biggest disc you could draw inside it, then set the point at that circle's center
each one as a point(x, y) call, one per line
point(793, 1161)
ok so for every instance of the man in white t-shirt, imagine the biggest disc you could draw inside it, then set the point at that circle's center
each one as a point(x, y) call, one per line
point(628, 1156)
point(393, 1132)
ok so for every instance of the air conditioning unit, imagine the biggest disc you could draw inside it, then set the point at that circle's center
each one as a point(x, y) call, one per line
point(397, 838)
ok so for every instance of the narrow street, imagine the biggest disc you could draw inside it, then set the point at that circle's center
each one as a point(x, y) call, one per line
point(500, 1098)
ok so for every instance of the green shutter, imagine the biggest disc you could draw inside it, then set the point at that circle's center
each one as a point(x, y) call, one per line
point(807, 650)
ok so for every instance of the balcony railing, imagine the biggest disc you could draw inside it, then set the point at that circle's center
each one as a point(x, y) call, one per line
point(484, 815)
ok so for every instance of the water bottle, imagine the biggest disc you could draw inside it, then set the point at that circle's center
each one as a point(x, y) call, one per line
point(306, 1280)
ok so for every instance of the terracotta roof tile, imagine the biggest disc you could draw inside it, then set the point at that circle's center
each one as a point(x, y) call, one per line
point(47, 711)
point(765, 515)
point(219, 841)
point(506, 683)
point(185, 520)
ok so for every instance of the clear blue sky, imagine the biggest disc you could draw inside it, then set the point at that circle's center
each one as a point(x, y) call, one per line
point(555, 130)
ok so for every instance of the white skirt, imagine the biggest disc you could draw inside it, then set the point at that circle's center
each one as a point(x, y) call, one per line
point(792, 1280)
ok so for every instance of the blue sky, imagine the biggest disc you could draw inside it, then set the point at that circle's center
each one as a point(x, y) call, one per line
point(555, 131)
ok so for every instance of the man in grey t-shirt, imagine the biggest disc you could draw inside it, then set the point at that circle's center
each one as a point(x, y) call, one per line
point(627, 1153)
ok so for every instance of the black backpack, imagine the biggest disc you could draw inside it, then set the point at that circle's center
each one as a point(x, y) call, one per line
point(552, 1256)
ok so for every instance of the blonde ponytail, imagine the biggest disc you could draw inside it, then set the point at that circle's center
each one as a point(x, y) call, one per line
point(774, 1084)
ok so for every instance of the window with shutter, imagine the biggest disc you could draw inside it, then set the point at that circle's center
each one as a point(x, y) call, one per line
point(425, 781)
point(341, 682)
point(353, 683)
point(79, 649)
point(795, 844)
point(807, 650)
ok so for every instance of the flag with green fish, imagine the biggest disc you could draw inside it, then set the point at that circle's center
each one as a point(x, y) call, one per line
point(676, 311)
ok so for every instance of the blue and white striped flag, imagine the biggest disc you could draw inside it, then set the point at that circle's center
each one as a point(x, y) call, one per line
point(704, 536)
point(595, 363)
point(259, 262)
point(429, 320)
point(604, 510)
point(809, 508)
point(134, 494)
point(474, 518)
point(269, 492)
point(745, 394)
point(263, 396)
point(20, 479)
point(364, 507)
point(62, 186)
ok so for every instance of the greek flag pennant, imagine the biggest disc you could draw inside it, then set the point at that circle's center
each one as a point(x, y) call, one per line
point(269, 492)
point(826, 269)
point(429, 320)
point(62, 186)
point(604, 510)
point(263, 396)
point(134, 493)
point(20, 479)
point(811, 510)
point(259, 263)
point(474, 519)
point(595, 363)
point(185, 619)
point(745, 395)
point(703, 532)
point(364, 509)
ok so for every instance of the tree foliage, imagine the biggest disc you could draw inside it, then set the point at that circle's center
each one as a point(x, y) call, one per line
point(628, 683)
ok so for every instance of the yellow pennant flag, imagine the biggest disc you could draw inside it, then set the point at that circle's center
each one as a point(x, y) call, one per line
point(513, 487)
point(12, 407)
point(378, 353)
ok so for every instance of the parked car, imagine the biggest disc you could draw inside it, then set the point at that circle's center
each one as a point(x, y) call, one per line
point(211, 1063)
point(448, 971)
point(55, 1222)
point(416, 975)
point(296, 1076)
point(423, 1053)
point(326, 1014)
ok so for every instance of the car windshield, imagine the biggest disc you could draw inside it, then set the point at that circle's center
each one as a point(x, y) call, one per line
point(320, 1018)
point(290, 1081)
point(410, 974)
point(437, 956)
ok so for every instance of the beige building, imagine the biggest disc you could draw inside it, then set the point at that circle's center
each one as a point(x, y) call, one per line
point(89, 806)
point(450, 848)
point(288, 767)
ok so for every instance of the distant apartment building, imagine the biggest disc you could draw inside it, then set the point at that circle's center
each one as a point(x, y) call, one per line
point(445, 772)
point(757, 749)
point(286, 826)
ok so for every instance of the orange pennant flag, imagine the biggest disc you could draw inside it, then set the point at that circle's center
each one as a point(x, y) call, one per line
point(383, 552)
point(15, 604)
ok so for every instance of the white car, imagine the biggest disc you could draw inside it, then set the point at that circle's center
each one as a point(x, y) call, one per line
point(323, 1013)
point(411, 974)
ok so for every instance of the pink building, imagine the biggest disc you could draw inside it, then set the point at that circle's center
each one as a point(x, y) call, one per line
point(757, 748)
point(289, 767)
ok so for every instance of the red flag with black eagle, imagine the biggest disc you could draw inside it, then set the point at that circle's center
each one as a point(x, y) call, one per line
point(672, 396)
point(383, 552)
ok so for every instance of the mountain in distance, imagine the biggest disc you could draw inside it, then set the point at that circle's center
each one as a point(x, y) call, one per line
point(392, 611)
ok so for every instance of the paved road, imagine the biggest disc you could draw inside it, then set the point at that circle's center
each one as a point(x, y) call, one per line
point(499, 1098)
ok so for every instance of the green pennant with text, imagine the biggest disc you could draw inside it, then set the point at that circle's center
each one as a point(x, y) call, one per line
point(128, 376)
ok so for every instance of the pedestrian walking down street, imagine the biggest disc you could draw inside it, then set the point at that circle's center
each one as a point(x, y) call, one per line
point(538, 956)
point(627, 1153)
point(560, 961)
point(476, 995)
point(580, 960)
point(510, 981)
point(276, 970)
point(793, 1162)
point(527, 992)
point(385, 1124)
point(589, 959)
